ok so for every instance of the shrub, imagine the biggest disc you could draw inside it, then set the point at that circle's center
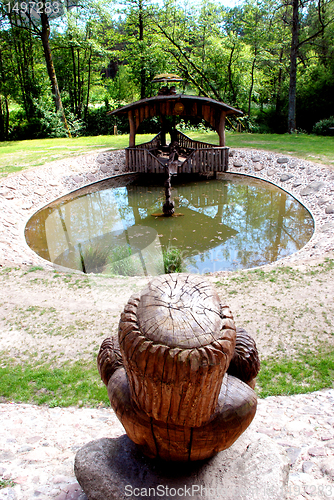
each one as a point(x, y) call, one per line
point(323, 127)
point(98, 123)
point(45, 122)
point(173, 261)
point(94, 258)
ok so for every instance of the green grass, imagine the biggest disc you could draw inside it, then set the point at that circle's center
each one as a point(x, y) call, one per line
point(6, 483)
point(305, 368)
point(173, 261)
point(279, 274)
point(79, 384)
point(306, 372)
point(75, 384)
point(19, 155)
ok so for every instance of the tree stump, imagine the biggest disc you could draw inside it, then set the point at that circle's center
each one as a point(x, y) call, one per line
point(175, 396)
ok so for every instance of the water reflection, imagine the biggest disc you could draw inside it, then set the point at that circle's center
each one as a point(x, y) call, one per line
point(226, 224)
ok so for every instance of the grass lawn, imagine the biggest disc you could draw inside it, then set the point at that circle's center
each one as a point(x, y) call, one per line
point(19, 155)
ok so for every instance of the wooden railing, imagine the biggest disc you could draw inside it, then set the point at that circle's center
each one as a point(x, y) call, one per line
point(205, 157)
point(185, 142)
point(214, 159)
point(142, 160)
point(155, 143)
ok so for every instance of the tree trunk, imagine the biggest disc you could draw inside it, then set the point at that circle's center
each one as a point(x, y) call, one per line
point(141, 39)
point(293, 67)
point(45, 33)
point(75, 107)
point(279, 85)
point(4, 109)
point(88, 84)
point(229, 73)
point(80, 96)
point(252, 85)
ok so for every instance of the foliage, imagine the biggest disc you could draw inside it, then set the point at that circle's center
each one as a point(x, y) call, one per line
point(94, 258)
point(173, 261)
point(323, 127)
point(240, 55)
point(98, 123)
point(45, 122)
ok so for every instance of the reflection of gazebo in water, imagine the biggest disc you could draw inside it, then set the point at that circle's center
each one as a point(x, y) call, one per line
point(182, 155)
point(204, 202)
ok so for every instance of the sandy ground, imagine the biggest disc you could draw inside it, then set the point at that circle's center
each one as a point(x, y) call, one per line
point(57, 317)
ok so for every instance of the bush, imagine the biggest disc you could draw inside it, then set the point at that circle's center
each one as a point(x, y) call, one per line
point(94, 258)
point(323, 127)
point(173, 261)
point(98, 123)
point(45, 122)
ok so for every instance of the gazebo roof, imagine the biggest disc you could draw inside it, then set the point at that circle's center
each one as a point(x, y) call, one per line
point(165, 105)
point(172, 104)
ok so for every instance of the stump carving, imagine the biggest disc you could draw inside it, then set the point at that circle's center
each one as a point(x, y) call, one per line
point(182, 381)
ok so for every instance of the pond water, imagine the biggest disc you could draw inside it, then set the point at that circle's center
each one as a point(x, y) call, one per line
point(233, 223)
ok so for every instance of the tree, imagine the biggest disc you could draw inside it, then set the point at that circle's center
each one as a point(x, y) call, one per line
point(135, 37)
point(314, 31)
point(35, 20)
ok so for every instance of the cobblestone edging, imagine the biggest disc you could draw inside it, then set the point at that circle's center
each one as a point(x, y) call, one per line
point(38, 445)
point(21, 195)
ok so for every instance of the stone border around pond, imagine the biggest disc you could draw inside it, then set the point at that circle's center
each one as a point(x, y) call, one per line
point(23, 194)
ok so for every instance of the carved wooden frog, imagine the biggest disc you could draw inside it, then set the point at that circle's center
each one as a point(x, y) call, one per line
point(182, 383)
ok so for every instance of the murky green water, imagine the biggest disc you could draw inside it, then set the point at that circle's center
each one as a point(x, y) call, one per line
point(226, 224)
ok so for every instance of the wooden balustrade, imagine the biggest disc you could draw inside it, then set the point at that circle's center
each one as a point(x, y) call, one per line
point(204, 158)
point(207, 160)
point(143, 161)
point(186, 142)
point(155, 143)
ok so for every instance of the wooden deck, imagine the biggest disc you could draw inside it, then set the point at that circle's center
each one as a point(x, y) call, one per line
point(200, 157)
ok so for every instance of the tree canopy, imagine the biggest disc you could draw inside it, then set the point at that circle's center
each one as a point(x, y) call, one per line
point(64, 65)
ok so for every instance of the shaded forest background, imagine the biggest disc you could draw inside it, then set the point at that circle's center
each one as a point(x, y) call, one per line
point(63, 66)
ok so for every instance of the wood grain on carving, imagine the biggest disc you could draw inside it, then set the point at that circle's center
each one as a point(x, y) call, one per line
point(109, 359)
point(245, 363)
point(182, 393)
point(177, 381)
point(235, 410)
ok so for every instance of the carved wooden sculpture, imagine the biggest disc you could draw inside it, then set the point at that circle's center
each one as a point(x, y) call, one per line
point(179, 383)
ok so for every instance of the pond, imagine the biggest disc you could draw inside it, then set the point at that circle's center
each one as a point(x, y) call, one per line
point(111, 227)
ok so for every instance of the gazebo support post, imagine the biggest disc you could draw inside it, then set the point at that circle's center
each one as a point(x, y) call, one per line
point(163, 131)
point(221, 129)
point(132, 141)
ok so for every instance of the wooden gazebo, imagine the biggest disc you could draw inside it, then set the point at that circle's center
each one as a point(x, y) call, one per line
point(193, 156)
